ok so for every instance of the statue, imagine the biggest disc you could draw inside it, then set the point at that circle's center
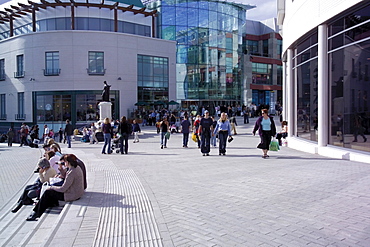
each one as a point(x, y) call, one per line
point(105, 94)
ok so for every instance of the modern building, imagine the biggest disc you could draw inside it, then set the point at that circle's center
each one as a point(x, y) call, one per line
point(209, 36)
point(326, 76)
point(54, 58)
point(262, 71)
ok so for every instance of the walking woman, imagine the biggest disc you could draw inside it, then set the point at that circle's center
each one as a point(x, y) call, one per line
point(266, 129)
point(165, 127)
point(223, 129)
point(107, 130)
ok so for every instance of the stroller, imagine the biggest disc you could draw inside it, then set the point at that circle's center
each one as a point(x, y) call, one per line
point(173, 129)
point(116, 143)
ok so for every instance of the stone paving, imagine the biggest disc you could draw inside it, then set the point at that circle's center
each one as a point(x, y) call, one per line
point(177, 197)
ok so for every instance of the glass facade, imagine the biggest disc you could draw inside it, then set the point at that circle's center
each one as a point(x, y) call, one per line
point(152, 78)
point(82, 23)
point(2, 107)
point(2, 69)
point(209, 39)
point(349, 80)
point(262, 73)
point(305, 62)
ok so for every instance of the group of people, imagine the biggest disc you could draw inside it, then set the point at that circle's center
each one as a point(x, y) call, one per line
point(61, 177)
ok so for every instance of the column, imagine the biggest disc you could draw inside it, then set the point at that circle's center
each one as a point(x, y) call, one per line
point(323, 86)
point(289, 84)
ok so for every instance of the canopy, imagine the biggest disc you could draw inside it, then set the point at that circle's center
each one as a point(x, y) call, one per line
point(172, 102)
point(141, 103)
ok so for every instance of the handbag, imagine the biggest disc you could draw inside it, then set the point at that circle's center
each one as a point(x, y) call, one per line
point(230, 139)
point(194, 137)
point(274, 145)
point(167, 135)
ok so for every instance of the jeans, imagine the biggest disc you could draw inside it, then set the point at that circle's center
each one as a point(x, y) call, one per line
point(185, 139)
point(69, 141)
point(163, 139)
point(124, 138)
point(222, 135)
point(214, 140)
point(107, 141)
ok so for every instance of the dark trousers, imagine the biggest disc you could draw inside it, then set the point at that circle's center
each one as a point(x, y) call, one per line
point(23, 140)
point(31, 191)
point(222, 136)
point(185, 139)
point(246, 118)
point(123, 143)
point(48, 199)
point(265, 140)
point(205, 142)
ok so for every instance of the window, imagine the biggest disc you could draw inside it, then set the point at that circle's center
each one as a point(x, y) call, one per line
point(253, 47)
point(261, 73)
point(2, 69)
point(2, 107)
point(96, 63)
point(265, 47)
point(20, 67)
point(20, 115)
point(52, 63)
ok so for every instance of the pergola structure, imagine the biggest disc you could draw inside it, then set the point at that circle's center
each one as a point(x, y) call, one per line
point(14, 11)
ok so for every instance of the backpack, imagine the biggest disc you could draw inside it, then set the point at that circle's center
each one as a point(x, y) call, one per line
point(129, 128)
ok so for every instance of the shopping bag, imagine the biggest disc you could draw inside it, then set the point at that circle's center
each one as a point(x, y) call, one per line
point(167, 135)
point(194, 137)
point(44, 187)
point(274, 145)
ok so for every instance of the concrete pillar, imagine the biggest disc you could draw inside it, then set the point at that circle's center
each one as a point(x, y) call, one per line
point(323, 86)
point(289, 84)
point(105, 110)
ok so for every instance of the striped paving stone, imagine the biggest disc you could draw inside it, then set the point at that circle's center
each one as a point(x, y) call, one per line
point(126, 217)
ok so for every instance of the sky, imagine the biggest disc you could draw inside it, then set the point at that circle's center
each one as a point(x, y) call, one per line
point(265, 9)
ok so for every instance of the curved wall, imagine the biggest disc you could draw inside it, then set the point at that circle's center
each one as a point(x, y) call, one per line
point(303, 16)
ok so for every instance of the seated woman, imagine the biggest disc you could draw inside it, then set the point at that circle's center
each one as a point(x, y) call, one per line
point(33, 190)
point(284, 131)
point(72, 188)
point(50, 142)
point(53, 160)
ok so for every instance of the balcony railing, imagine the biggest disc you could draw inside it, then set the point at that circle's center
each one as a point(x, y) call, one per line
point(95, 71)
point(20, 116)
point(2, 116)
point(51, 72)
point(19, 74)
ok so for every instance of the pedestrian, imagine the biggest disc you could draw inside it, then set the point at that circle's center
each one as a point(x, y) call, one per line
point(46, 133)
point(23, 134)
point(206, 130)
point(60, 133)
point(136, 129)
point(358, 128)
point(196, 129)
point(68, 130)
point(266, 129)
point(223, 130)
point(107, 130)
point(185, 129)
point(164, 127)
point(283, 133)
point(124, 130)
point(214, 137)
point(10, 135)
point(233, 124)
point(246, 112)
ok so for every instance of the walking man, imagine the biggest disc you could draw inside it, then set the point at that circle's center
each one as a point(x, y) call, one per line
point(206, 130)
point(69, 132)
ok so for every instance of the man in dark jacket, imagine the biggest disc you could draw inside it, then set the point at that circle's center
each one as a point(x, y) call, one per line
point(69, 132)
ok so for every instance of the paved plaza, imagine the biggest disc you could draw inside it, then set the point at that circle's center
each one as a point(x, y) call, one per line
point(177, 197)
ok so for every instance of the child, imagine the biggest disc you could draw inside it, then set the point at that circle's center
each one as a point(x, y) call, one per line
point(158, 124)
point(136, 129)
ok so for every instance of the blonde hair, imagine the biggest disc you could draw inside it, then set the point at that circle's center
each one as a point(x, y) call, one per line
point(106, 120)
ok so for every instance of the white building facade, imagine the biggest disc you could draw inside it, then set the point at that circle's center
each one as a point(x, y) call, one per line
point(326, 48)
point(54, 58)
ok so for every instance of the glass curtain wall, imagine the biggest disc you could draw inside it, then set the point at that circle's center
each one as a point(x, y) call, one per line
point(208, 39)
point(305, 70)
point(349, 59)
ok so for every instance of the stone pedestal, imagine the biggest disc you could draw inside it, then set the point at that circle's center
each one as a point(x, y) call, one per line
point(105, 110)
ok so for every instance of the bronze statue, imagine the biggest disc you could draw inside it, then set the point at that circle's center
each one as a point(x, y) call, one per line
point(105, 94)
